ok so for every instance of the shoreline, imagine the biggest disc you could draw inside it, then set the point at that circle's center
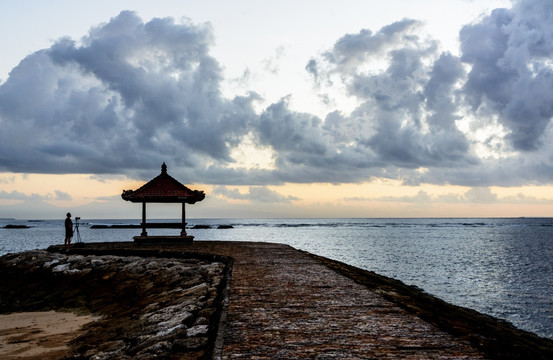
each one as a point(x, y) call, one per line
point(495, 338)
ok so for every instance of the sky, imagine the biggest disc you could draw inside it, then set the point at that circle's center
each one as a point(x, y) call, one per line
point(402, 108)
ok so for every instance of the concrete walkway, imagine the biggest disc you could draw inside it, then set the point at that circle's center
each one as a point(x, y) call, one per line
point(285, 304)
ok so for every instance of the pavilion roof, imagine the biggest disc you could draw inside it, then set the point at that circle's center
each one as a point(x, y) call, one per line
point(163, 189)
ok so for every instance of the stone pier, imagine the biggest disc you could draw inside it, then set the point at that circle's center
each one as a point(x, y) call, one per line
point(285, 304)
point(276, 302)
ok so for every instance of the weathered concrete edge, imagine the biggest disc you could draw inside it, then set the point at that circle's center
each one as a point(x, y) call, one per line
point(497, 338)
point(219, 338)
point(216, 341)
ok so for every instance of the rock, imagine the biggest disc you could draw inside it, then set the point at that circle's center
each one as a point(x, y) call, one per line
point(197, 330)
point(149, 307)
point(201, 321)
point(62, 268)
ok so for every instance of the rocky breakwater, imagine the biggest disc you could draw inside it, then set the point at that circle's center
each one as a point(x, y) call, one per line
point(151, 304)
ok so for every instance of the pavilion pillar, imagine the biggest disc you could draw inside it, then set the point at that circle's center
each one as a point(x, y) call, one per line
point(144, 233)
point(183, 229)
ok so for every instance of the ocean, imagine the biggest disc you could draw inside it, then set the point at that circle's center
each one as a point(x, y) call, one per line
point(498, 266)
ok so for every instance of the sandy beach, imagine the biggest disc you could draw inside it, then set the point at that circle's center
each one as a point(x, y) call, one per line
point(39, 335)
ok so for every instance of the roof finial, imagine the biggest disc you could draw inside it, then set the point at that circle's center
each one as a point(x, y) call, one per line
point(164, 168)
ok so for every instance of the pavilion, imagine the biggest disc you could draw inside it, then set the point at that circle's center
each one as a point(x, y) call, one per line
point(163, 189)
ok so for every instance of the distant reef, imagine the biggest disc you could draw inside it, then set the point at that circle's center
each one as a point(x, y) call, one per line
point(11, 226)
point(210, 227)
point(134, 226)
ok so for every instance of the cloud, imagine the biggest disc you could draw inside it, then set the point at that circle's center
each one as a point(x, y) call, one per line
point(114, 198)
point(523, 199)
point(272, 64)
point(16, 195)
point(353, 50)
point(255, 194)
point(421, 197)
point(60, 195)
point(7, 179)
point(408, 111)
point(127, 96)
point(106, 178)
point(412, 102)
point(478, 195)
point(132, 94)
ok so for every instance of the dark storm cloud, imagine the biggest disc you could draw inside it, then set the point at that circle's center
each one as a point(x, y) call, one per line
point(131, 95)
point(128, 96)
point(510, 55)
point(355, 49)
point(408, 110)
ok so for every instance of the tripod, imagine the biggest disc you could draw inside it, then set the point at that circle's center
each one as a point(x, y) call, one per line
point(77, 229)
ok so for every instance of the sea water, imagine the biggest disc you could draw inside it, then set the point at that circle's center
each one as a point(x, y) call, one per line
point(501, 267)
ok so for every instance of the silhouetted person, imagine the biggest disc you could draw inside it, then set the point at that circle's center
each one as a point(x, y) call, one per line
point(68, 229)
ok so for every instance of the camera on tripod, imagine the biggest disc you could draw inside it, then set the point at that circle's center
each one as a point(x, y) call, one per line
point(77, 218)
